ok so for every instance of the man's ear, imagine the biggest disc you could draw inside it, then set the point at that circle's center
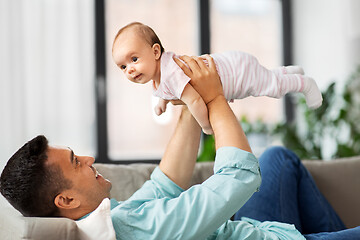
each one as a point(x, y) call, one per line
point(66, 201)
point(157, 51)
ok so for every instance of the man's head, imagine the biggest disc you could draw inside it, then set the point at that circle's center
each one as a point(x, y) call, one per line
point(137, 51)
point(41, 180)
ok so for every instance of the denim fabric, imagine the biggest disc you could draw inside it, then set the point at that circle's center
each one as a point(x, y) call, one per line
point(289, 194)
point(347, 234)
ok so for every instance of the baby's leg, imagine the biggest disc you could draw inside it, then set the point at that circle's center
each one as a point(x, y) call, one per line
point(294, 70)
point(300, 83)
point(256, 80)
point(271, 83)
point(290, 79)
point(289, 70)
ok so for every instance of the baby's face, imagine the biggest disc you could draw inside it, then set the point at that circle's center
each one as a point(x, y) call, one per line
point(135, 57)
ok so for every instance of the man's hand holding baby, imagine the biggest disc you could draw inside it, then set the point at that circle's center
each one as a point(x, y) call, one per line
point(204, 79)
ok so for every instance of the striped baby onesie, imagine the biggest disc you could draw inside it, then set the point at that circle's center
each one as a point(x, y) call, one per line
point(241, 76)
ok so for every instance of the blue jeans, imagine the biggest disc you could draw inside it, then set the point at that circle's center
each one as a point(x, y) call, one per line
point(289, 194)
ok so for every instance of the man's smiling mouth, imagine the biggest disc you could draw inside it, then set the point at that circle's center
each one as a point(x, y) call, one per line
point(95, 171)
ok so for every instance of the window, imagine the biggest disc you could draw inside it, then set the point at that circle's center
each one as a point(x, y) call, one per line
point(129, 130)
point(252, 26)
point(134, 131)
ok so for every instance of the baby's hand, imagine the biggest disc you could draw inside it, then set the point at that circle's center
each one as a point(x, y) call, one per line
point(159, 111)
point(160, 108)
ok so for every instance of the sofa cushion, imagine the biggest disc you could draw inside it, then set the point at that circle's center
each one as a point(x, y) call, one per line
point(126, 179)
point(14, 226)
point(339, 181)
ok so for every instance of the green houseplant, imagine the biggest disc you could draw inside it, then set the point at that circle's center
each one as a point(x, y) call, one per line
point(331, 128)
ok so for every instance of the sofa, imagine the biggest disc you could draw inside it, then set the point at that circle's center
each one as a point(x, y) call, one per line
point(338, 180)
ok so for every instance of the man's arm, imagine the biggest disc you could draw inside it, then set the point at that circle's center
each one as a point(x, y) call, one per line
point(206, 82)
point(197, 107)
point(180, 155)
point(197, 212)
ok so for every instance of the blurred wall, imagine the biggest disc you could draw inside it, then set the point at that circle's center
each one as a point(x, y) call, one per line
point(326, 38)
point(47, 74)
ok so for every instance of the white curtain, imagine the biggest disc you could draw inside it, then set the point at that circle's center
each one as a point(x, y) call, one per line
point(47, 74)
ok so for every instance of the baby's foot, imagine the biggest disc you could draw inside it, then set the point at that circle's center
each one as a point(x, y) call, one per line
point(312, 93)
point(294, 70)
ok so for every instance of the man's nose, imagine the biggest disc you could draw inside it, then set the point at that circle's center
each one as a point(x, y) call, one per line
point(89, 160)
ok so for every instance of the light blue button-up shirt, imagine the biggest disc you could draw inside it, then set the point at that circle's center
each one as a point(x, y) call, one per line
point(162, 210)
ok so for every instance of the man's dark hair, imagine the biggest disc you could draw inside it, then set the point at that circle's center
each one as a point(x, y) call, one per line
point(31, 185)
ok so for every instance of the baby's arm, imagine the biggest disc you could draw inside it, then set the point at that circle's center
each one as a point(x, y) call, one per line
point(160, 108)
point(197, 107)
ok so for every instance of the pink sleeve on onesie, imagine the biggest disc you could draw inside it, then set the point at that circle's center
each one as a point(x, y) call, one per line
point(172, 80)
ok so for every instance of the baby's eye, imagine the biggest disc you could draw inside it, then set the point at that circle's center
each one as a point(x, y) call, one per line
point(77, 162)
point(134, 59)
point(122, 67)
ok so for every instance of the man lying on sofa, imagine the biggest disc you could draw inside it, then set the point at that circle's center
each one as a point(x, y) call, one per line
point(44, 180)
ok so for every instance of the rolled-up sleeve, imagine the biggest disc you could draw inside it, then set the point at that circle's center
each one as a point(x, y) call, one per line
point(199, 211)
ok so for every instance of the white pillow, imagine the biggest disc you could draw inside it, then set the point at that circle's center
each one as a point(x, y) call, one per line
point(98, 224)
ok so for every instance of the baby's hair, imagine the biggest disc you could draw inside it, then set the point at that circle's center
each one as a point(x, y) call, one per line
point(144, 31)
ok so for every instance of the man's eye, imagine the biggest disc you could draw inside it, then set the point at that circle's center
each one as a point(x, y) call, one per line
point(122, 67)
point(134, 59)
